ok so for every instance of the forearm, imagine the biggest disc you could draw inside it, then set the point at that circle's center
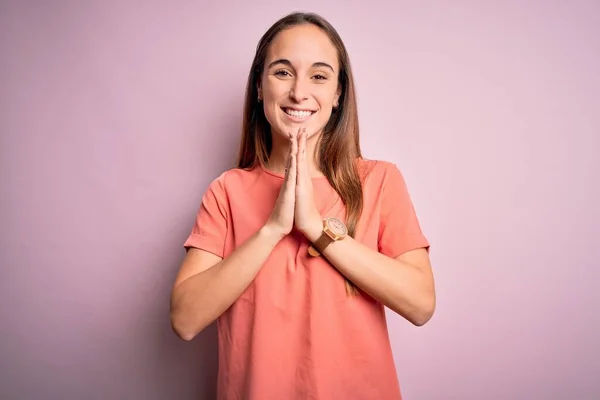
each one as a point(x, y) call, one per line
point(201, 299)
point(402, 287)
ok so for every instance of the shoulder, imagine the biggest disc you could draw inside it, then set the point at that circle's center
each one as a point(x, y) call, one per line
point(232, 180)
point(233, 175)
point(377, 172)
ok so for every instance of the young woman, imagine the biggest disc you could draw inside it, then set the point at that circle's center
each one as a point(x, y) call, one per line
point(296, 251)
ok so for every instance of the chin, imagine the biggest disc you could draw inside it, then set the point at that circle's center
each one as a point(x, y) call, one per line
point(284, 129)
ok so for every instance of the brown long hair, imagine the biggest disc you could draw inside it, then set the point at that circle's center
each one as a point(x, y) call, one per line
point(338, 148)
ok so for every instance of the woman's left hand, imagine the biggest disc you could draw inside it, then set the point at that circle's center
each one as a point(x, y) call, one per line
point(307, 217)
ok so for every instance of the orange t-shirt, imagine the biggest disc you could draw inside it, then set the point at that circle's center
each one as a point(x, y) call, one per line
point(294, 333)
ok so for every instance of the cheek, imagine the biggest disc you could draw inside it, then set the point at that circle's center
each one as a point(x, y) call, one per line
point(274, 90)
point(327, 98)
point(269, 102)
point(270, 112)
point(271, 109)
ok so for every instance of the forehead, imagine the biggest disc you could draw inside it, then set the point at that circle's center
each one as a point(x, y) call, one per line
point(303, 45)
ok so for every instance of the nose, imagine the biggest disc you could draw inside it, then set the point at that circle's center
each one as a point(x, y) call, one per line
point(299, 91)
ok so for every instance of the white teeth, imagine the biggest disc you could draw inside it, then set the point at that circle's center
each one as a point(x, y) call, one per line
point(298, 114)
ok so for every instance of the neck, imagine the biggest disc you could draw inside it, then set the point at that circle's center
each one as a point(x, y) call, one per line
point(280, 153)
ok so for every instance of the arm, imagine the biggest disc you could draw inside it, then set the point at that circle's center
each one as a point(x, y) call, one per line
point(206, 285)
point(399, 274)
point(404, 284)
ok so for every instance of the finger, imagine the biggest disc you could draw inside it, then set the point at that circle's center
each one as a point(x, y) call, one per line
point(288, 162)
point(302, 165)
point(291, 176)
point(299, 164)
point(304, 138)
point(295, 151)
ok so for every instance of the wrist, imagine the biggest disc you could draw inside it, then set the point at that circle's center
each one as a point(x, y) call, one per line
point(332, 229)
point(313, 231)
point(271, 234)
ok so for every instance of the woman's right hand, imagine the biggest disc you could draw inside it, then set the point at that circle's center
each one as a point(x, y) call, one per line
point(281, 220)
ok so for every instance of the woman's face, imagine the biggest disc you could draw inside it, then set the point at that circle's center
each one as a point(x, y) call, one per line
point(299, 86)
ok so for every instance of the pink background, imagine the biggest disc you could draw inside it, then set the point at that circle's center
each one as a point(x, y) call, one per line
point(115, 116)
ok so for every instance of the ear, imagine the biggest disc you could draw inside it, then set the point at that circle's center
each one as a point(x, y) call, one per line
point(259, 90)
point(336, 98)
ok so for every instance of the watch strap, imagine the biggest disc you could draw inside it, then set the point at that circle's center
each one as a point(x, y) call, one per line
point(319, 245)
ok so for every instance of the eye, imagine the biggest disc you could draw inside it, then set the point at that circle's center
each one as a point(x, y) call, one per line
point(319, 77)
point(282, 72)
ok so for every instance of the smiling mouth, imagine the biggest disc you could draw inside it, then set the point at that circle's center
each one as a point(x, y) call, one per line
point(297, 114)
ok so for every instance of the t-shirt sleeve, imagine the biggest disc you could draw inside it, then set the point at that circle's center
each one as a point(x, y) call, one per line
point(210, 228)
point(399, 228)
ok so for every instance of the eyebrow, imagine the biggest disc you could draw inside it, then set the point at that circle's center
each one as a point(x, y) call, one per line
point(289, 64)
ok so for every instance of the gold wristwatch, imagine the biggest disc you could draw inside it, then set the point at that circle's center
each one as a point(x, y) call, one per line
point(333, 230)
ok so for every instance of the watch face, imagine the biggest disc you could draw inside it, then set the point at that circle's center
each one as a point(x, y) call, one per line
point(337, 226)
